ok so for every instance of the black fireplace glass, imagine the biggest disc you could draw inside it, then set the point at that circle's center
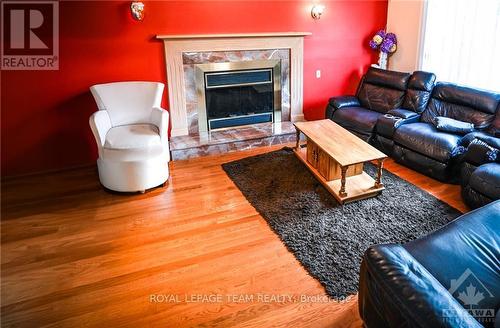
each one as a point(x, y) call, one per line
point(241, 77)
point(239, 100)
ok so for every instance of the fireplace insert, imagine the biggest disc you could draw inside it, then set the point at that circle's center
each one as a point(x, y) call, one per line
point(240, 93)
point(239, 98)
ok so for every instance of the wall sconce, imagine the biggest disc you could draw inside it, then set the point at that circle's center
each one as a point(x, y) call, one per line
point(137, 10)
point(317, 11)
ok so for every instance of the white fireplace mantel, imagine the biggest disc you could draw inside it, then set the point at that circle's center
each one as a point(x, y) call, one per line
point(176, 45)
point(234, 35)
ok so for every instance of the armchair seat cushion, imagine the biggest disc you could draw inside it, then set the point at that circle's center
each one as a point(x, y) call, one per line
point(425, 139)
point(132, 136)
point(357, 119)
point(486, 180)
point(132, 142)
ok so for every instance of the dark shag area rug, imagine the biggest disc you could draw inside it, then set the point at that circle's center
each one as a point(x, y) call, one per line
point(327, 238)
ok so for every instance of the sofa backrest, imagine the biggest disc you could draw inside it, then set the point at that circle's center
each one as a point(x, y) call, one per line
point(419, 91)
point(382, 90)
point(462, 103)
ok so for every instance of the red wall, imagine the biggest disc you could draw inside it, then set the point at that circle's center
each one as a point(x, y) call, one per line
point(44, 122)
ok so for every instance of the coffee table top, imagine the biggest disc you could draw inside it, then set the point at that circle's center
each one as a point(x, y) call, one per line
point(342, 145)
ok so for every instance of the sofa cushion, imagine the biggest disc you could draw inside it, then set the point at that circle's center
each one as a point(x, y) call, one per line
point(427, 140)
point(419, 90)
point(416, 100)
point(464, 104)
point(386, 78)
point(450, 125)
point(380, 99)
point(477, 99)
point(358, 119)
point(486, 180)
point(422, 81)
point(382, 90)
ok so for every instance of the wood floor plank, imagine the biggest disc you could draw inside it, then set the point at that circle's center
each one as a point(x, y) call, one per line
point(76, 255)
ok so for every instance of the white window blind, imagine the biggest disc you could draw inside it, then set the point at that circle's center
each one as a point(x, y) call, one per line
point(462, 42)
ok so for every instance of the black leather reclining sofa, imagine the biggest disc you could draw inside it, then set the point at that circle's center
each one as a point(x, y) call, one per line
point(396, 112)
point(379, 92)
point(423, 147)
point(480, 170)
point(441, 130)
point(449, 278)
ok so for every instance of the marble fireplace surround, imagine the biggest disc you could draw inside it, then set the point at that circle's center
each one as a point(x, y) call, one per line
point(195, 64)
point(178, 46)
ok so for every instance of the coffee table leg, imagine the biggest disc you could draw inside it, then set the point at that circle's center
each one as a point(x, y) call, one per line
point(297, 145)
point(378, 180)
point(342, 192)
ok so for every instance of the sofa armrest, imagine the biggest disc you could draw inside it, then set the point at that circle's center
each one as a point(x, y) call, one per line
point(388, 123)
point(487, 138)
point(397, 291)
point(403, 113)
point(344, 101)
point(100, 123)
point(336, 103)
point(490, 140)
point(481, 147)
point(479, 152)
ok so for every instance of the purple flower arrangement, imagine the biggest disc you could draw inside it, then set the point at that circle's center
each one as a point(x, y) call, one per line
point(385, 42)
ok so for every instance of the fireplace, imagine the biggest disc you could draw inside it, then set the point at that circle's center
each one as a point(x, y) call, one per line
point(234, 94)
point(244, 79)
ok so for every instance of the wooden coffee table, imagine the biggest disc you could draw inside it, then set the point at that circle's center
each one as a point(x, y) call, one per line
point(336, 156)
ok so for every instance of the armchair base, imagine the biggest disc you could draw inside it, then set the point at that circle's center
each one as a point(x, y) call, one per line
point(133, 176)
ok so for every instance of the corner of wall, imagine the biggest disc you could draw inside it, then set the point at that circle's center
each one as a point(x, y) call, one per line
point(406, 20)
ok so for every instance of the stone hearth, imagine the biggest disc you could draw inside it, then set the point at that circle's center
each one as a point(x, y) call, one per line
point(227, 140)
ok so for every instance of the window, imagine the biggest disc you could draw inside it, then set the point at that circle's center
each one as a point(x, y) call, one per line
point(462, 42)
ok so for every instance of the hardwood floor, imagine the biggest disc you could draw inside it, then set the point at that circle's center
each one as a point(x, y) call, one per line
point(75, 255)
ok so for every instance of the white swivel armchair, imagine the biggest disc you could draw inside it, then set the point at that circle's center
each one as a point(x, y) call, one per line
point(131, 131)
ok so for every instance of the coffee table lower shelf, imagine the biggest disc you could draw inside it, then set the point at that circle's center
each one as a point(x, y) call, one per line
point(357, 187)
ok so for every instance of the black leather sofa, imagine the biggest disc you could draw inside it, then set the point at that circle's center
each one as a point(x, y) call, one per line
point(396, 111)
point(379, 92)
point(433, 281)
point(480, 172)
point(417, 97)
point(423, 147)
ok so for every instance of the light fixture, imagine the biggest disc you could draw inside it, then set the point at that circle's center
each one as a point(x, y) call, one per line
point(317, 11)
point(137, 10)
